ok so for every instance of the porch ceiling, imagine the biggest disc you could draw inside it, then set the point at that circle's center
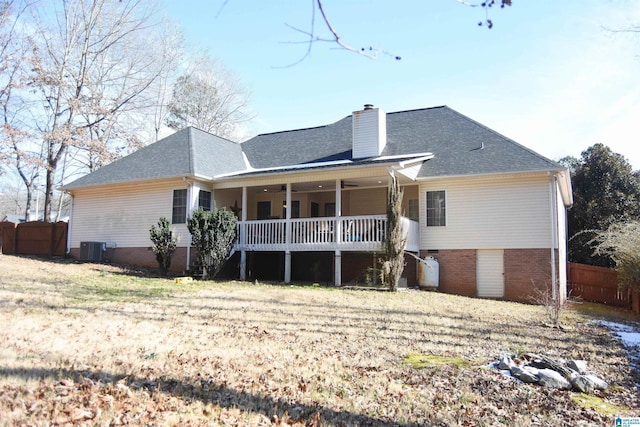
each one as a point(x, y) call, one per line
point(315, 186)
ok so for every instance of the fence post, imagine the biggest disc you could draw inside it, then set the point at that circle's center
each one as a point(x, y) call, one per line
point(8, 236)
point(635, 300)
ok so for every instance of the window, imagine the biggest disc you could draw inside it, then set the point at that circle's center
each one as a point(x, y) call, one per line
point(295, 209)
point(264, 210)
point(179, 214)
point(204, 200)
point(315, 210)
point(436, 209)
point(414, 214)
point(329, 209)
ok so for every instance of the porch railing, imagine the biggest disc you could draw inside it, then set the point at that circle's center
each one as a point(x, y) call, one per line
point(365, 232)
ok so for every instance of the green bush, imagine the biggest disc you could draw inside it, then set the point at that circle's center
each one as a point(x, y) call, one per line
point(163, 244)
point(213, 234)
point(621, 241)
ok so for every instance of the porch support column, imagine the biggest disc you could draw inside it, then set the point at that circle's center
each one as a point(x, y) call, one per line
point(338, 227)
point(287, 253)
point(287, 266)
point(338, 269)
point(338, 237)
point(242, 241)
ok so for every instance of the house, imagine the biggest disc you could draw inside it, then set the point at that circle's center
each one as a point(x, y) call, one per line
point(12, 218)
point(311, 202)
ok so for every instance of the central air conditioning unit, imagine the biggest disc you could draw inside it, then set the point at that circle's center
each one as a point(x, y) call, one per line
point(92, 251)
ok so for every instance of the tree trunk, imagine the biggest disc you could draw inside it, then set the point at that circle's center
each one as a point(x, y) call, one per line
point(394, 242)
point(27, 207)
point(48, 194)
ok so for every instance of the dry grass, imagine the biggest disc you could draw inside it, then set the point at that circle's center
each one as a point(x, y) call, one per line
point(85, 344)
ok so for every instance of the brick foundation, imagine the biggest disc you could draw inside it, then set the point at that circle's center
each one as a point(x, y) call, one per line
point(524, 269)
point(143, 257)
point(457, 270)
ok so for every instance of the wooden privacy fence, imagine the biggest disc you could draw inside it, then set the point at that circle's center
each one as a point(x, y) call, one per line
point(34, 238)
point(596, 284)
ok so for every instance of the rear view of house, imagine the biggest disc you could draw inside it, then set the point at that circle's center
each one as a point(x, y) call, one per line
point(311, 202)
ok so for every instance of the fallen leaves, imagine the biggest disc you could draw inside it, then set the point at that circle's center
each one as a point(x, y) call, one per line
point(267, 355)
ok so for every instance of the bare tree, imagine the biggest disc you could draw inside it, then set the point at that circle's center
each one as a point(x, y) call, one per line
point(24, 158)
point(91, 63)
point(109, 137)
point(162, 88)
point(12, 200)
point(318, 10)
point(210, 98)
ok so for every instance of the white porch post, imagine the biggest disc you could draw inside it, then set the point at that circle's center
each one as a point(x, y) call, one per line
point(338, 227)
point(287, 253)
point(338, 268)
point(243, 253)
point(338, 237)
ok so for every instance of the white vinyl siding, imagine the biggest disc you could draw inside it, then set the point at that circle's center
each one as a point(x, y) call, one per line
point(123, 215)
point(369, 133)
point(490, 273)
point(498, 213)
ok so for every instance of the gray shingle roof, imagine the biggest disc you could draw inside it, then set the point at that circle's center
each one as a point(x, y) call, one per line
point(460, 145)
point(188, 152)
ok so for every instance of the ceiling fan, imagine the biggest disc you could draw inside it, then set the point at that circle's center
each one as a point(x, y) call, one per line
point(283, 189)
point(344, 184)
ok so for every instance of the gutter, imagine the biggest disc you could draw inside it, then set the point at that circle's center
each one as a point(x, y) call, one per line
point(554, 233)
point(189, 213)
point(69, 228)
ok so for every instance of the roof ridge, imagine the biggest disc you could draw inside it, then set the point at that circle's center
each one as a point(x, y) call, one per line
point(418, 109)
point(296, 130)
point(212, 134)
point(346, 117)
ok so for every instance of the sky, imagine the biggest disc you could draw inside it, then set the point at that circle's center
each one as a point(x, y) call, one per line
point(550, 74)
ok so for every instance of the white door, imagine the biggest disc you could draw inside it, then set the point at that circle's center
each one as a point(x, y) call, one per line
point(490, 273)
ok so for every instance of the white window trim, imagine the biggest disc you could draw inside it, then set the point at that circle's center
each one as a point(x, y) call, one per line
point(446, 210)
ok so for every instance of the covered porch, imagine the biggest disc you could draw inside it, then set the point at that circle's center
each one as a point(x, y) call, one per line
point(314, 216)
point(335, 235)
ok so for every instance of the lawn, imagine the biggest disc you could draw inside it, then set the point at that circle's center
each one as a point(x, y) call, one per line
point(90, 344)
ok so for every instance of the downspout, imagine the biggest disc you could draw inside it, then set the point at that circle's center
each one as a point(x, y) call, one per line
point(554, 234)
point(73, 199)
point(189, 213)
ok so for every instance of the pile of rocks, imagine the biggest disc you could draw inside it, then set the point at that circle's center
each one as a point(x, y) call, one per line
point(547, 372)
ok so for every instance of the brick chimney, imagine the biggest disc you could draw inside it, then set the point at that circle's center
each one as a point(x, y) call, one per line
point(369, 132)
